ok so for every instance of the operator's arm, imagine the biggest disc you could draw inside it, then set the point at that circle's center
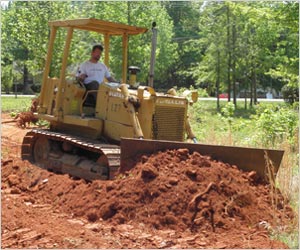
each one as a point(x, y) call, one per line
point(108, 76)
point(82, 77)
point(111, 79)
point(81, 73)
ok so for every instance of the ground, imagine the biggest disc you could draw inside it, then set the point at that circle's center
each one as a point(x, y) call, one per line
point(171, 199)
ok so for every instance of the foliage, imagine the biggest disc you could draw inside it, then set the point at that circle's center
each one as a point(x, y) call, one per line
point(36, 88)
point(201, 92)
point(6, 78)
point(228, 112)
point(26, 32)
point(211, 43)
point(227, 115)
point(266, 125)
point(13, 114)
point(290, 93)
point(287, 48)
point(25, 25)
point(223, 46)
point(252, 50)
point(184, 15)
point(275, 124)
point(42, 123)
point(291, 237)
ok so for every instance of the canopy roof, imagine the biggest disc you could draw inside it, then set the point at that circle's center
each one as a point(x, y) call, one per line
point(100, 26)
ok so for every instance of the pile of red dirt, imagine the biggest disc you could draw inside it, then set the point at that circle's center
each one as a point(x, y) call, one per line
point(172, 189)
point(179, 190)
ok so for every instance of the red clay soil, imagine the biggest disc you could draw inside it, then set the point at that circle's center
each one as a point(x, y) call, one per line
point(171, 199)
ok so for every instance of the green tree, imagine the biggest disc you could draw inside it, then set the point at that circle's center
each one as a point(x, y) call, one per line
point(6, 78)
point(25, 25)
point(246, 43)
point(185, 16)
point(286, 54)
point(209, 72)
point(25, 33)
point(206, 44)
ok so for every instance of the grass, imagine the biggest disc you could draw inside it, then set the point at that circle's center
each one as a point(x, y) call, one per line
point(213, 129)
point(12, 104)
point(210, 127)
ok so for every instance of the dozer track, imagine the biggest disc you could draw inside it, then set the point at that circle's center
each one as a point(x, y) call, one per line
point(69, 154)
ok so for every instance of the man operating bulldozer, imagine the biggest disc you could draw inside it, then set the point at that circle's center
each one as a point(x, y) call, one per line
point(92, 72)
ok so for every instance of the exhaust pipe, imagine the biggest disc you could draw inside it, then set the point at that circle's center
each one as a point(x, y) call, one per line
point(153, 50)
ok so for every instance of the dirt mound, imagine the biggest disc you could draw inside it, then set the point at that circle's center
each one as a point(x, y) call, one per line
point(178, 190)
point(172, 190)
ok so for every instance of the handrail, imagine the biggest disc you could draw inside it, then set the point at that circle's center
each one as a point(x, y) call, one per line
point(84, 99)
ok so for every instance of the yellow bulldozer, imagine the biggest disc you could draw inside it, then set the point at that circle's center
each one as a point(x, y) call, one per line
point(97, 141)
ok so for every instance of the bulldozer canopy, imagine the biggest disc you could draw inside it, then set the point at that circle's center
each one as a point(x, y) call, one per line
point(100, 26)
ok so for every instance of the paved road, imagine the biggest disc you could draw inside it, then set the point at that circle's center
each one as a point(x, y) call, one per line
point(239, 99)
point(201, 98)
point(13, 95)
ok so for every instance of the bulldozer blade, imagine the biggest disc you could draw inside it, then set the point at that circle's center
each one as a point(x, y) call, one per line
point(247, 159)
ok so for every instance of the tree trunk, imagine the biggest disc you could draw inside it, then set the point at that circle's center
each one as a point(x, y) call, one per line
point(251, 89)
point(245, 91)
point(245, 100)
point(26, 89)
point(218, 79)
point(25, 79)
point(234, 60)
point(129, 23)
point(254, 88)
point(229, 54)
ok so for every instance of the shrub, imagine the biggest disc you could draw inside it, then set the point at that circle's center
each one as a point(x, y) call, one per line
point(36, 88)
point(17, 87)
point(201, 92)
point(274, 124)
point(290, 93)
point(6, 78)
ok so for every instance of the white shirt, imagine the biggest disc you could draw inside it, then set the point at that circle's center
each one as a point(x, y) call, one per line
point(94, 71)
